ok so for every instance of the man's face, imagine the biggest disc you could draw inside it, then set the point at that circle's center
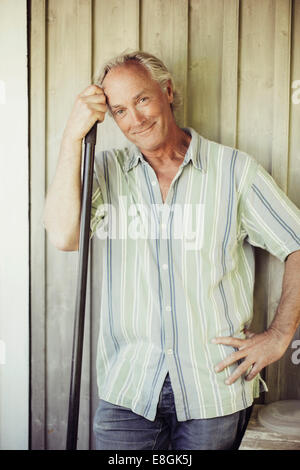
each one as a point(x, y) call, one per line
point(139, 106)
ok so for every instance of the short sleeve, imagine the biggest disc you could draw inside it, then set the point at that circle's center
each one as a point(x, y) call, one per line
point(269, 219)
point(97, 212)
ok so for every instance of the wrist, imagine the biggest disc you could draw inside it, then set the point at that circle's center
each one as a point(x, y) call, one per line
point(70, 139)
point(70, 144)
point(283, 338)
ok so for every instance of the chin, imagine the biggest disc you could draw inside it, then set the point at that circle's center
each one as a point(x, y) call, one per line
point(152, 141)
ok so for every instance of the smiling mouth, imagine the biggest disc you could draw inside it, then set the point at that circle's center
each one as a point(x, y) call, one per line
point(145, 130)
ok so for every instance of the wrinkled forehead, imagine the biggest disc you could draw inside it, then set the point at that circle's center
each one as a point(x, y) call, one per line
point(127, 80)
point(131, 68)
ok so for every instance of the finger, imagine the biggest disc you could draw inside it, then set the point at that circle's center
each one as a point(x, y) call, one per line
point(101, 107)
point(96, 98)
point(95, 115)
point(92, 90)
point(228, 341)
point(253, 372)
point(234, 357)
point(100, 116)
point(239, 371)
point(95, 112)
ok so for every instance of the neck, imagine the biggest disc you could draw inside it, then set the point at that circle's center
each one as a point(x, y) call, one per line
point(174, 147)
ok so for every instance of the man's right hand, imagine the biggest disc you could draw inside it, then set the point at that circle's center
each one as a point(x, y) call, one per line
point(90, 106)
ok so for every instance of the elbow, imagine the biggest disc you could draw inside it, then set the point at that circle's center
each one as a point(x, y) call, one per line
point(64, 236)
point(67, 246)
point(62, 241)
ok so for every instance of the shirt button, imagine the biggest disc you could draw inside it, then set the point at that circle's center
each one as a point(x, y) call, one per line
point(153, 183)
point(168, 308)
point(163, 225)
point(165, 266)
point(170, 351)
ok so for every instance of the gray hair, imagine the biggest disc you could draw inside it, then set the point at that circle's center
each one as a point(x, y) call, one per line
point(155, 67)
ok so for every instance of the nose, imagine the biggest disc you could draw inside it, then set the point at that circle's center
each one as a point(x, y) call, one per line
point(137, 118)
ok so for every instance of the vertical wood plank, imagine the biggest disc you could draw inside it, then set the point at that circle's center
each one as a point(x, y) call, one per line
point(256, 79)
point(164, 33)
point(68, 72)
point(255, 115)
point(206, 24)
point(281, 110)
point(276, 373)
point(229, 81)
point(293, 377)
point(294, 166)
point(115, 29)
point(37, 184)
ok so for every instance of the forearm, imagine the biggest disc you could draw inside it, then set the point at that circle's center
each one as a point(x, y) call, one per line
point(62, 206)
point(287, 316)
point(63, 202)
point(261, 349)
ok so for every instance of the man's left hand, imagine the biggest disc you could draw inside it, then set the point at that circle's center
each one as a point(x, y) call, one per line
point(257, 350)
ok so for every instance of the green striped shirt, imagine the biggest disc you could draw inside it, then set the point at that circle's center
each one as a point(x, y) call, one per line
point(179, 273)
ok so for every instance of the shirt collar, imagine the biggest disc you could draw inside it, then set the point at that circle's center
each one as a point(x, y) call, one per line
point(197, 153)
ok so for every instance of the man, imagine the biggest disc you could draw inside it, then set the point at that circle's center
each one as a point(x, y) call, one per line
point(176, 216)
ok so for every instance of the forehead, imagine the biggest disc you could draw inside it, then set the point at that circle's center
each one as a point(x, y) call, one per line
point(128, 79)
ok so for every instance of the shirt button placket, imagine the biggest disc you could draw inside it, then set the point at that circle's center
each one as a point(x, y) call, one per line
point(164, 269)
point(165, 280)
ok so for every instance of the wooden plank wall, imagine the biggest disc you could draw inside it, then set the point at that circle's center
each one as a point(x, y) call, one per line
point(235, 64)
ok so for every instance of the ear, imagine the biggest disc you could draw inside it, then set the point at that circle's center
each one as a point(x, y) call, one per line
point(169, 92)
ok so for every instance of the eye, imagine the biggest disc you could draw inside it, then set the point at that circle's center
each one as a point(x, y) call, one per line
point(119, 112)
point(144, 99)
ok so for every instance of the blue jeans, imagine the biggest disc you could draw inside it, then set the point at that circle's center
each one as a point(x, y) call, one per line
point(119, 428)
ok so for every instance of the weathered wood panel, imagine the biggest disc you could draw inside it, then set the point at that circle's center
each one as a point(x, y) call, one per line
point(115, 29)
point(294, 140)
point(255, 114)
point(68, 71)
point(279, 170)
point(229, 80)
point(289, 372)
point(256, 79)
point(38, 259)
point(234, 63)
point(291, 378)
point(205, 66)
point(166, 36)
